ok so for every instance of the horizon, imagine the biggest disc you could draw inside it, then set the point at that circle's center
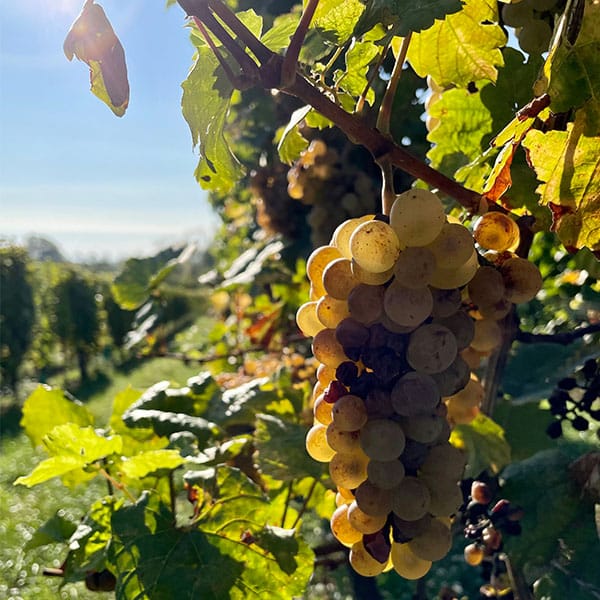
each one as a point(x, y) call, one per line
point(72, 172)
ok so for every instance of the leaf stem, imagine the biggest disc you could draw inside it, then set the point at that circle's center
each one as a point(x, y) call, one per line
point(287, 502)
point(290, 61)
point(363, 96)
point(385, 110)
point(117, 484)
point(304, 504)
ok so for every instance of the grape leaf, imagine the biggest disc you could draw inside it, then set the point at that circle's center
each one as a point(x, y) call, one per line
point(157, 560)
point(140, 276)
point(484, 441)
point(354, 78)
point(542, 486)
point(89, 543)
point(278, 37)
point(464, 123)
point(45, 408)
point(573, 71)
point(145, 463)
point(92, 40)
point(462, 48)
point(165, 423)
point(205, 104)
point(280, 445)
point(71, 447)
point(239, 405)
point(57, 529)
point(404, 16)
point(337, 19)
point(291, 141)
point(568, 165)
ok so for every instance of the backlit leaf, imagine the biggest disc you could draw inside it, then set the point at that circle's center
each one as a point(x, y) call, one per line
point(485, 443)
point(464, 47)
point(568, 165)
point(145, 463)
point(46, 407)
point(337, 18)
point(404, 16)
point(92, 40)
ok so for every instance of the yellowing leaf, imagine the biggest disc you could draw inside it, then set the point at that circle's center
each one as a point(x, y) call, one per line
point(145, 463)
point(45, 408)
point(568, 165)
point(464, 47)
point(92, 40)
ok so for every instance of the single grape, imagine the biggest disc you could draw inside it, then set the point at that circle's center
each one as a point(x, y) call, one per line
point(338, 278)
point(382, 439)
point(385, 474)
point(481, 492)
point(417, 216)
point(307, 320)
point(327, 350)
point(445, 302)
point(522, 279)
point(415, 393)
point(422, 428)
point(454, 378)
point(411, 499)
point(316, 264)
point(346, 442)
point(349, 413)
point(516, 14)
point(322, 410)
point(341, 527)
point(373, 500)
point(456, 277)
point(486, 287)
point(407, 306)
point(316, 444)
point(343, 233)
point(407, 564)
point(461, 325)
point(432, 349)
point(414, 267)
point(348, 470)
point(363, 522)
point(496, 231)
point(434, 543)
point(473, 554)
point(365, 303)
point(375, 246)
point(534, 37)
point(363, 563)
point(331, 312)
point(364, 276)
point(452, 247)
point(488, 335)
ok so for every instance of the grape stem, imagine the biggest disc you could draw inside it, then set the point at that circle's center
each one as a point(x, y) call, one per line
point(290, 61)
point(267, 72)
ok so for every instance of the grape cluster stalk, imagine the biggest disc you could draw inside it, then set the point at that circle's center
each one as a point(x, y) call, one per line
point(400, 312)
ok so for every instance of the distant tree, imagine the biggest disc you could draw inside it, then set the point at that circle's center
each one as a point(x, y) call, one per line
point(17, 314)
point(76, 321)
point(119, 321)
point(43, 250)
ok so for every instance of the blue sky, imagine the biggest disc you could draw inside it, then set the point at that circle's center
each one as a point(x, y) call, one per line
point(96, 184)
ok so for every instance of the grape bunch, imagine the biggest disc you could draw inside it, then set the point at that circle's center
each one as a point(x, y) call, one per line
point(390, 316)
point(576, 399)
point(486, 524)
point(533, 21)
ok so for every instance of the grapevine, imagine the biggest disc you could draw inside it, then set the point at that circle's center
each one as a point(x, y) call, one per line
point(395, 304)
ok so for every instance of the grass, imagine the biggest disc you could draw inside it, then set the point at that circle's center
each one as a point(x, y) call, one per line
point(24, 510)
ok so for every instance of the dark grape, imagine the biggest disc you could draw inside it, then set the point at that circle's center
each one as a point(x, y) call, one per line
point(567, 383)
point(580, 423)
point(554, 430)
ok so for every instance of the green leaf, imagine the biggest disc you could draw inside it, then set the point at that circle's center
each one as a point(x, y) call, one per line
point(462, 48)
point(140, 276)
point(281, 453)
point(558, 526)
point(156, 560)
point(89, 543)
point(145, 463)
point(278, 37)
point(57, 529)
point(46, 407)
point(403, 16)
point(166, 423)
point(282, 544)
point(92, 40)
point(337, 19)
point(568, 165)
point(464, 123)
point(573, 71)
point(55, 466)
point(239, 405)
point(205, 105)
point(354, 78)
point(485, 443)
point(292, 142)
